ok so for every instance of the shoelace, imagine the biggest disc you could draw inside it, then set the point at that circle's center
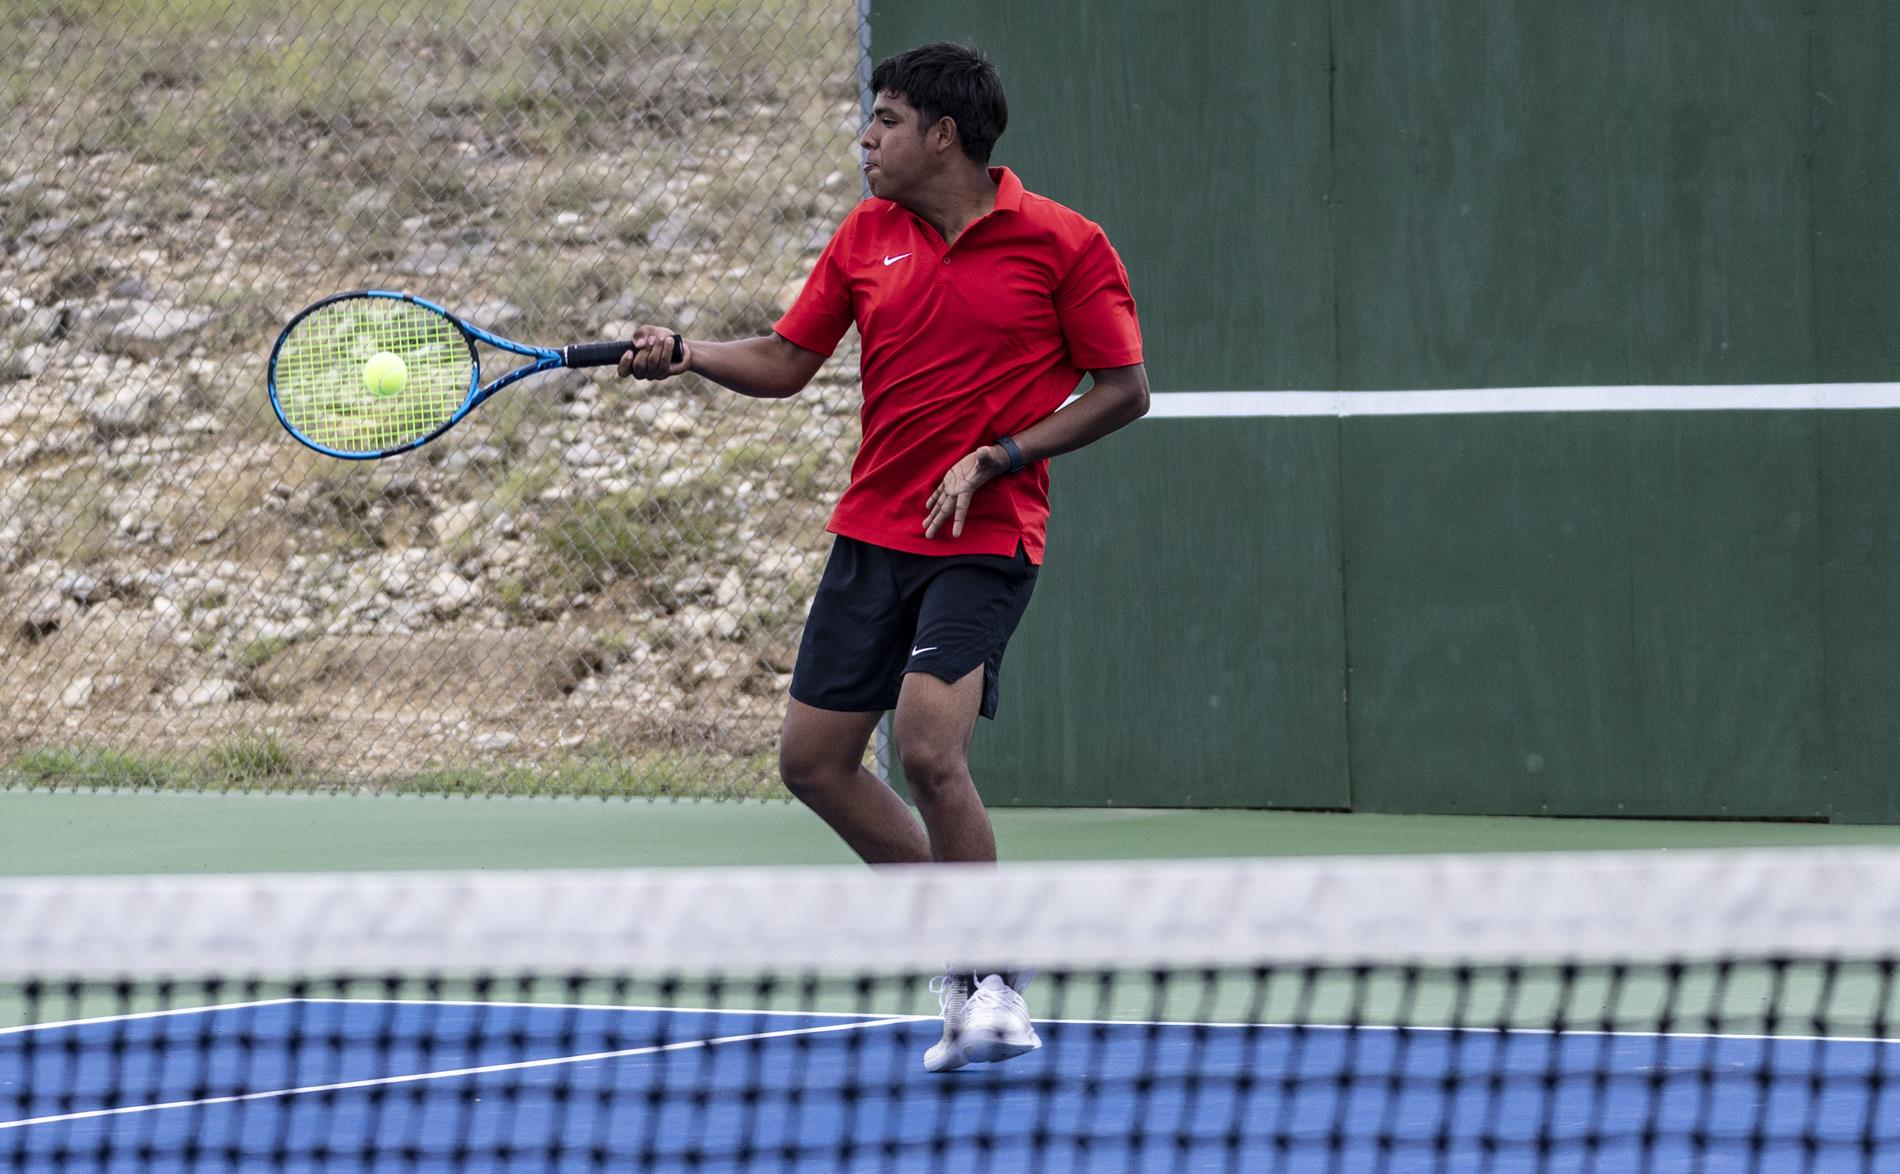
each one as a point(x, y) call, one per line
point(952, 991)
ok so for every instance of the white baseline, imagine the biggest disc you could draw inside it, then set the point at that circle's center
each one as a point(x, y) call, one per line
point(1740, 397)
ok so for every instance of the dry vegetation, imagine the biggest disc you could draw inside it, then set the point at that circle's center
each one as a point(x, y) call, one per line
point(591, 586)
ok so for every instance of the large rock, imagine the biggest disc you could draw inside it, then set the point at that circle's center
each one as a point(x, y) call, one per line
point(458, 522)
point(449, 594)
point(200, 692)
point(146, 330)
point(122, 411)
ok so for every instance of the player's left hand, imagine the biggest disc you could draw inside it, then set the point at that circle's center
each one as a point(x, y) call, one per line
point(950, 501)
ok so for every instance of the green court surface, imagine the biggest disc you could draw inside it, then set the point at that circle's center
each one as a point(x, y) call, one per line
point(118, 832)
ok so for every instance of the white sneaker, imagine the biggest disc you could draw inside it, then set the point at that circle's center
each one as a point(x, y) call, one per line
point(990, 1024)
point(946, 1055)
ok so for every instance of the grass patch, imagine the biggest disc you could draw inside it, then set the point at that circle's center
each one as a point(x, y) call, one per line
point(558, 294)
point(739, 316)
point(326, 81)
point(263, 762)
point(288, 194)
point(79, 516)
point(437, 185)
point(630, 534)
point(104, 767)
point(802, 470)
point(513, 595)
point(512, 424)
point(522, 484)
point(603, 772)
point(578, 190)
point(88, 540)
point(251, 760)
point(259, 652)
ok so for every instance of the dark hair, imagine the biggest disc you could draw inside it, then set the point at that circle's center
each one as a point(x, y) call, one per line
point(951, 80)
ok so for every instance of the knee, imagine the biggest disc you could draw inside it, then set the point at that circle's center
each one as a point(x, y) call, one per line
point(930, 766)
point(806, 776)
point(800, 776)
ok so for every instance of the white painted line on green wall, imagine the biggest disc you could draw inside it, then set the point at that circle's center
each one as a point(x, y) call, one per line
point(1791, 397)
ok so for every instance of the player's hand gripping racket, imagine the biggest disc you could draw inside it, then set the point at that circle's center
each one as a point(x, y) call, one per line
point(373, 373)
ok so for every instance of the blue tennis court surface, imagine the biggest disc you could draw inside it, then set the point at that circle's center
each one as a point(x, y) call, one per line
point(351, 1085)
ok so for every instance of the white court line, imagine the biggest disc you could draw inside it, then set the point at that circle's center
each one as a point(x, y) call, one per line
point(417, 1077)
point(606, 1007)
point(136, 1015)
point(1527, 400)
point(210, 1007)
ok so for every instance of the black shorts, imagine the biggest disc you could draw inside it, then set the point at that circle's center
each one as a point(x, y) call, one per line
point(881, 613)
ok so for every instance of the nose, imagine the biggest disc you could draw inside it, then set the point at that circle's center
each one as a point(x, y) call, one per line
point(865, 140)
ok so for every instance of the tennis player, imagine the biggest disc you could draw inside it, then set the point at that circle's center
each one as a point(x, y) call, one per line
point(979, 306)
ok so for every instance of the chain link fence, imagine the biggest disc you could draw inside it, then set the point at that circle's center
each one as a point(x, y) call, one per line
point(591, 586)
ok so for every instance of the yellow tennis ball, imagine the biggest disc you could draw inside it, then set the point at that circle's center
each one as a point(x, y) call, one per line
point(385, 374)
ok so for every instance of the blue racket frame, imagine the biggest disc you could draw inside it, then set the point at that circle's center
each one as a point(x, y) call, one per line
point(544, 359)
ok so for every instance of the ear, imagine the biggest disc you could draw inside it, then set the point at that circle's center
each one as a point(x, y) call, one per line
point(943, 134)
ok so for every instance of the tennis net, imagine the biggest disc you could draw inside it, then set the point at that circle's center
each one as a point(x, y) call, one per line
point(1603, 1011)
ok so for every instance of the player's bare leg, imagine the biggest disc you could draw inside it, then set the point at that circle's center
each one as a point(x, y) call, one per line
point(821, 760)
point(934, 723)
point(984, 1016)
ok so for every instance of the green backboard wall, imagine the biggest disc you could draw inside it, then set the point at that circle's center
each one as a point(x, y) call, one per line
point(1587, 613)
point(1572, 193)
point(1208, 146)
point(1627, 609)
point(1206, 670)
point(1854, 149)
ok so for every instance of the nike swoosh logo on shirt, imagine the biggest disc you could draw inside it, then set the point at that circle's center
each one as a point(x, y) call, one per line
point(921, 651)
point(890, 261)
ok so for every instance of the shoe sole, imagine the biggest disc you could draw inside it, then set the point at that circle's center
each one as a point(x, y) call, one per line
point(947, 1063)
point(995, 1049)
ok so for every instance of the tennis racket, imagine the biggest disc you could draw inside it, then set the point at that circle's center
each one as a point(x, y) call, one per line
point(373, 373)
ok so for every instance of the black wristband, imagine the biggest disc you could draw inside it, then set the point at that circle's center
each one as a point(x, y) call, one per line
point(1015, 454)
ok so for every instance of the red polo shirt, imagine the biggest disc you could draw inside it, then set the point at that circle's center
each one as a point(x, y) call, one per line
point(962, 344)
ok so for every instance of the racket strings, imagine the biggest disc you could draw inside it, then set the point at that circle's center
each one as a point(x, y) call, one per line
point(323, 384)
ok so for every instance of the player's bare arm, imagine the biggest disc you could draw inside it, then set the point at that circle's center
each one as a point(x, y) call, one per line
point(1119, 398)
point(768, 367)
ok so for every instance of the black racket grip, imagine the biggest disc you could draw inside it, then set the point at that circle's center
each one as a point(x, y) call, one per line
point(607, 354)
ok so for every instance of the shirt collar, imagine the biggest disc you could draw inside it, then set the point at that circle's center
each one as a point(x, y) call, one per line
point(1009, 195)
point(1009, 190)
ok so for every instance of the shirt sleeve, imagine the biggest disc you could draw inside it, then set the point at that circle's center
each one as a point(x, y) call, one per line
point(1097, 309)
point(822, 313)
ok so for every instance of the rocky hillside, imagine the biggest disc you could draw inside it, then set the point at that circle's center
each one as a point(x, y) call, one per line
point(590, 585)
